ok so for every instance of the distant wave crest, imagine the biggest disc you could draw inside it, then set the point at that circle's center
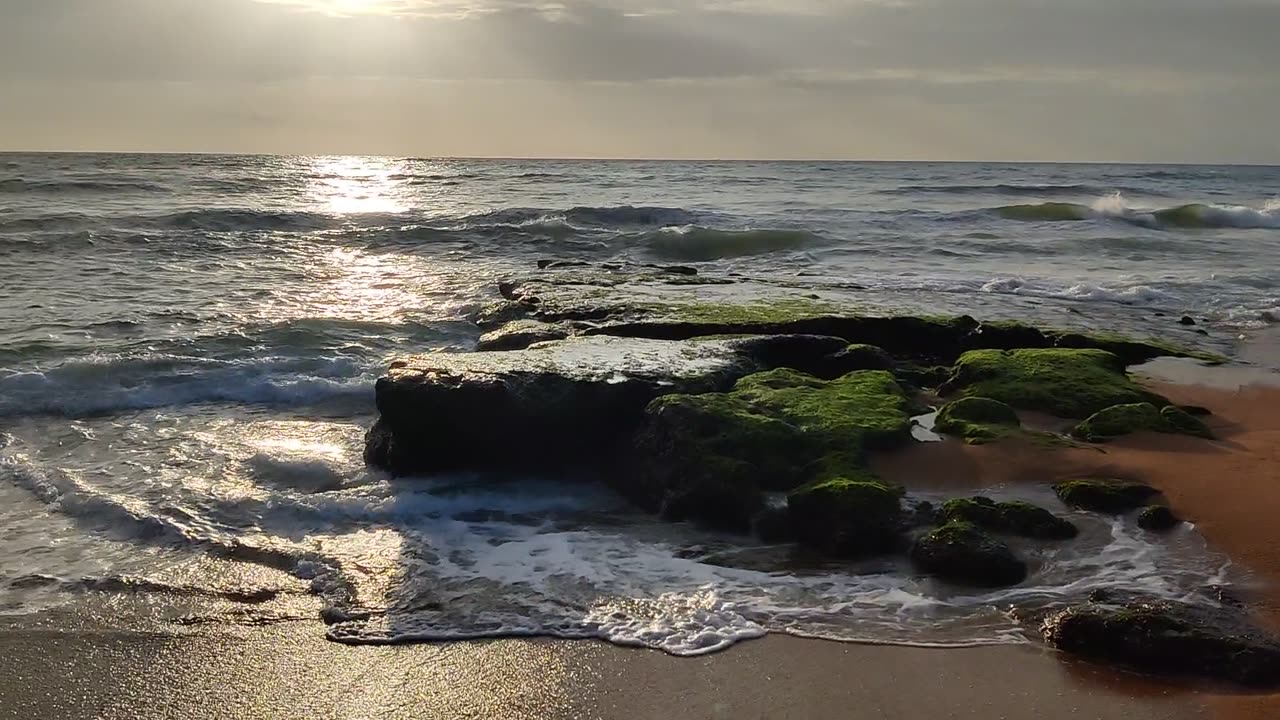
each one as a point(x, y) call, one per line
point(1192, 215)
point(1016, 190)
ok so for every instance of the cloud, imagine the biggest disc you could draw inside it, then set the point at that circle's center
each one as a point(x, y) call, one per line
point(980, 64)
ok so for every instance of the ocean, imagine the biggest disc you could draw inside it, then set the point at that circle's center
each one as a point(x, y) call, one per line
point(189, 344)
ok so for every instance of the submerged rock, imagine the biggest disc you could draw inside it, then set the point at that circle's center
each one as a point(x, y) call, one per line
point(1120, 420)
point(1212, 642)
point(961, 553)
point(847, 517)
point(709, 457)
point(1107, 496)
point(977, 419)
point(1015, 518)
point(1066, 383)
point(556, 404)
point(1158, 518)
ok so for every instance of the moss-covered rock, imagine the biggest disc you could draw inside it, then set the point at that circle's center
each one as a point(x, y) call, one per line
point(1016, 518)
point(1158, 518)
point(1211, 642)
point(1066, 383)
point(1181, 421)
point(773, 431)
point(961, 553)
point(1107, 496)
point(848, 517)
point(977, 419)
point(1119, 420)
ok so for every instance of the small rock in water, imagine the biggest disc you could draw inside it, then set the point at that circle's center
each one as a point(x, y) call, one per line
point(1158, 518)
point(961, 553)
point(1187, 320)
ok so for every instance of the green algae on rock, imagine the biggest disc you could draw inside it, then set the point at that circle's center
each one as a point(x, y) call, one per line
point(1015, 518)
point(1120, 420)
point(960, 552)
point(1107, 496)
point(977, 419)
point(774, 430)
point(1066, 383)
point(1158, 518)
point(847, 517)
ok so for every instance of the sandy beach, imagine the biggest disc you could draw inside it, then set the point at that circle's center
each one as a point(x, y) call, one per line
point(288, 672)
point(1228, 488)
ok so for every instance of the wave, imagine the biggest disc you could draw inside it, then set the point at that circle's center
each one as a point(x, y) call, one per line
point(21, 185)
point(606, 217)
point(110, 384)
point(701, 244)
point(1189, 216)
point(1019, 190)
point(239, 220)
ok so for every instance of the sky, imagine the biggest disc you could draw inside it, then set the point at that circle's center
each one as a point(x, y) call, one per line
point(1070, 80)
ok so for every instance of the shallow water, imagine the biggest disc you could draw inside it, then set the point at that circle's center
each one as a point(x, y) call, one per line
point(188, 346)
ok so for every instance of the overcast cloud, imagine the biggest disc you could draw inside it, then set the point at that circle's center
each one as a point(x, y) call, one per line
point(1141, 80)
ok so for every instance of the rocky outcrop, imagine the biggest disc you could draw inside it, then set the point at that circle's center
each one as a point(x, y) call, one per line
point(1208, 641)
point(561, 403)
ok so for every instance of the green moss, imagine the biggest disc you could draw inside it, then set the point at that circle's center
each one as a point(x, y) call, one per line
point(847, 516)
point(962, 553)
point(1108, 496)
point(1016, 518)
point(1181, 421)
point(1119, 420)
point(1067, 383)
point(774, 431)
point(781, 310)
point(977, 420)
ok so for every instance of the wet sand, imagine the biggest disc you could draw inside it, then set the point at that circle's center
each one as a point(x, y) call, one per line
point(290, 672)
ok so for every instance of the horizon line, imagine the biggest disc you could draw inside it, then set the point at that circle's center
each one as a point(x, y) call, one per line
point(589, 158)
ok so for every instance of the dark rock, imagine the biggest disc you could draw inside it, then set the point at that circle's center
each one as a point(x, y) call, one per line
point(555, 404)
point(1200, 331)
point(1158, 518)
point(1120, 420)
point(850, 518)
point(1195, 410)
point(773, 525)
point(961, 553)
point(923, 514)
point(1015, 518)
point(521, 334)
point(1107, 496)
point(1205, 641)
point(1187, 320)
